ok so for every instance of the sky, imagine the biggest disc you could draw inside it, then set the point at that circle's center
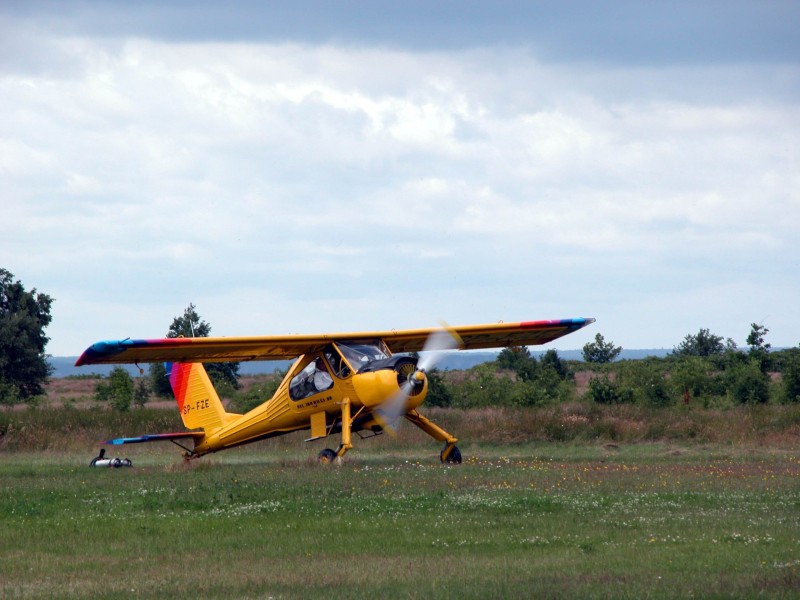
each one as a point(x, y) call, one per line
point(373, 164)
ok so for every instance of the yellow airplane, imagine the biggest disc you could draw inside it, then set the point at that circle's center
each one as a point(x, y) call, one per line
point(339, 383)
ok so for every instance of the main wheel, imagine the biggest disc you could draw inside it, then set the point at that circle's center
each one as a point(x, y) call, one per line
point(454, 458)
point(326, 456)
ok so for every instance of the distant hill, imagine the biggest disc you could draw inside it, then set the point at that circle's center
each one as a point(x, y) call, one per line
point(64, 366)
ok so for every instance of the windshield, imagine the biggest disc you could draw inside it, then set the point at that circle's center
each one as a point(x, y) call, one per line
point(359, 354)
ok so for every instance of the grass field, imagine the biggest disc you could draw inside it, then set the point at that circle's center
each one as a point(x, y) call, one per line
point(549, 520)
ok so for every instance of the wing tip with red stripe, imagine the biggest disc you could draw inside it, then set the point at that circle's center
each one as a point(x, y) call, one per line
point(105, 351)
point(576, 323)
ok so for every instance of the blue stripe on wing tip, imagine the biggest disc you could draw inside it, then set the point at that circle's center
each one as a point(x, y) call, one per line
point(103, 350)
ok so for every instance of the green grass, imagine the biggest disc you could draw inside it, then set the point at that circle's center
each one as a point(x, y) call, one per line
point(528, 520)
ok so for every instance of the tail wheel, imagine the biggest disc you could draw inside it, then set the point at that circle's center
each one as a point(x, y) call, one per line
point(454, 458)
point(326, 456)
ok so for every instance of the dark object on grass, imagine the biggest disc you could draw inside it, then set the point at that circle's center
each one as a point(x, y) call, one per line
point(101, 461)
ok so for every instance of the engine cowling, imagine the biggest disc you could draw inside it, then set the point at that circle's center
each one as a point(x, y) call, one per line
point(382, 380)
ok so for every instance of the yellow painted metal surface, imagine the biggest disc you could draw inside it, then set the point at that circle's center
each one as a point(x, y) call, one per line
point(198, 402)
point(318, 425)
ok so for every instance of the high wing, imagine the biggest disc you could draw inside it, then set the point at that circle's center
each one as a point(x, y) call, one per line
point(220, 349)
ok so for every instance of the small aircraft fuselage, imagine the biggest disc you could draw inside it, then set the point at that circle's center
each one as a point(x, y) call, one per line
point(316, 387)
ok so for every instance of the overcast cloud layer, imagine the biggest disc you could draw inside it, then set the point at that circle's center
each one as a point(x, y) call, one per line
point(310, 180)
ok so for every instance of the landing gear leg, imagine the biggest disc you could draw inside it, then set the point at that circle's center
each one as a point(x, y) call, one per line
point(327, 455)
point(450, 453)
point(346, 432)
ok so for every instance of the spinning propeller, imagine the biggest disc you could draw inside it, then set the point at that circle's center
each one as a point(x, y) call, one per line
point(436, 345)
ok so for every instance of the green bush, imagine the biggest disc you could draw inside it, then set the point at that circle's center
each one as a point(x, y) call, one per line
point(9, 394)
point(483, 386)
point(747, 384)
point(117, 389)
point(605, 391)
point(646, 381)
point(439, 393)
point(690, 377)
point(528, 393)
point(142, 392)
point(561, 367)
point(243, 402)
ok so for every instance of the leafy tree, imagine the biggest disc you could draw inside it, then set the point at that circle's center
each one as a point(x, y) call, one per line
point(600, 351)
point(704, 343)
point(23, 318)
point(759, 350)
point(142, 392)
point(552, 360)
point(519, 360)
point(756, 338)
point(118, 389)
point(189, 324)
point(159, 382)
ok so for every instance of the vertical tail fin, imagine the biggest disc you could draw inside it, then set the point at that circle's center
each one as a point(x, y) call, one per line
point(197, 399)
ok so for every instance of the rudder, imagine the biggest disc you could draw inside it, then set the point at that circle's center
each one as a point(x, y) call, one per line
point(197, 399)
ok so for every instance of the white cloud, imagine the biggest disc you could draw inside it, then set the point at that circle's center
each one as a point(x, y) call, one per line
point(366, 180)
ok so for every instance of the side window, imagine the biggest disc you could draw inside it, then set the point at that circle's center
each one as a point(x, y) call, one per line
point(313, 379)
point(340, 368)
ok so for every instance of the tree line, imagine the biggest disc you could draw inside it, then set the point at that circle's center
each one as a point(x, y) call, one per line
point(707, 369)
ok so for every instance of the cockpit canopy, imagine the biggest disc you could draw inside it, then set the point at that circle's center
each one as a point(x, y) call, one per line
point(361, 353)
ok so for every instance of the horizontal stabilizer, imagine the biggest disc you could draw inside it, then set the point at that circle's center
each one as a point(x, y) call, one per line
point(156, 437)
